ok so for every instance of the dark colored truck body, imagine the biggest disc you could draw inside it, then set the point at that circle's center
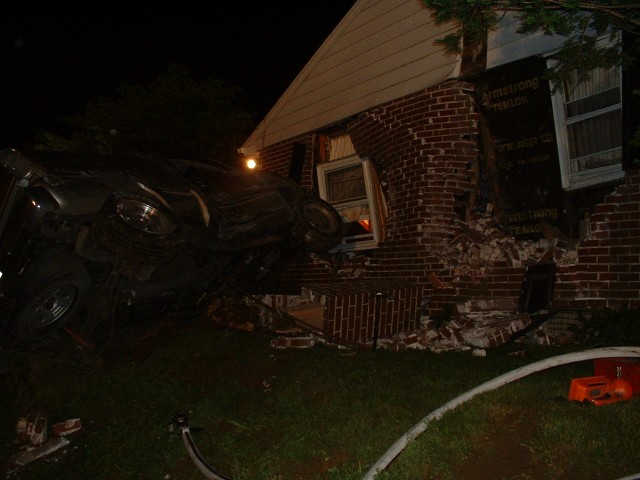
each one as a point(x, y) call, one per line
point(100, 236)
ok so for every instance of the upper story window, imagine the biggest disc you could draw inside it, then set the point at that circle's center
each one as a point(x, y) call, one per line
point(588, 119)
point(351, 185)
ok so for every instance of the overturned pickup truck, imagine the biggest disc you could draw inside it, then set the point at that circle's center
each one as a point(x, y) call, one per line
point(101, 237)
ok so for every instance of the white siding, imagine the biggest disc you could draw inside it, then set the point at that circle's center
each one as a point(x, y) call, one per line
point(505, 45)
point(381, 50)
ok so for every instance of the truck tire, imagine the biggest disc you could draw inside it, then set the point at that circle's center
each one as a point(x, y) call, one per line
point(317, 224)
point(139, 229)
point(53, 290)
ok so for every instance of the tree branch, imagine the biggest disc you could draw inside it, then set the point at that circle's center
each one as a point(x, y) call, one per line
point(612, 10)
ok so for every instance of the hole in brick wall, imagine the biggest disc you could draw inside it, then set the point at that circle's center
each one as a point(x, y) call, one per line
point(461, 205)
point(537, 287)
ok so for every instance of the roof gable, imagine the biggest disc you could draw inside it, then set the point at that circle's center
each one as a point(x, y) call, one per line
point(381, 50)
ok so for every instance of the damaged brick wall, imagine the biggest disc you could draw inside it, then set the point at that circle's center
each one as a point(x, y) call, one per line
point(424, 144)
point(425, 149)
point(607, 268)
point(601, 271)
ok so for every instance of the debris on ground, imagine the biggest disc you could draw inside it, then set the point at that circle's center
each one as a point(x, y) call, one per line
point(474, 331)
point(28, 455)
point(466, 334)
point(231, 312)
point(37, 439)
point(294, 342)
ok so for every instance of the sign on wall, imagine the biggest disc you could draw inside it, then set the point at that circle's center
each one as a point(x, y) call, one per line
point(520, 147)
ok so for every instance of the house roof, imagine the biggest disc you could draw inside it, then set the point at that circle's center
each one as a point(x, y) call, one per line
point(381, 50)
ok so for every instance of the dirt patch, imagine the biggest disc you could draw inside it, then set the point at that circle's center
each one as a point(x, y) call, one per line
point(318, 465)
point(504, 451)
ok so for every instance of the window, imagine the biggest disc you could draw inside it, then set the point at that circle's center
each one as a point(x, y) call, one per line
point(588, 118)
point(351, 185)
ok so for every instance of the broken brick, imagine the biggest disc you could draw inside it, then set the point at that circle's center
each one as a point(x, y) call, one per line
point(293, 342)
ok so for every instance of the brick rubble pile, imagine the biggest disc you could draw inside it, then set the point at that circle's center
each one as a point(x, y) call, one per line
point(481, 243)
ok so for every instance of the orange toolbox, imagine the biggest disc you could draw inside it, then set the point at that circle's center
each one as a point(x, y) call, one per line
point(625, 368)
point(599, 390)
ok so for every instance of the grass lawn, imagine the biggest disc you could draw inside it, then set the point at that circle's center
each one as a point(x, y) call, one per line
point(318, 413)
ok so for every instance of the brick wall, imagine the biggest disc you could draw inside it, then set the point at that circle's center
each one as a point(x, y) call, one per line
point(355, 309)
point(277, 158)
point(425, 149)
point(424, 145)
point(309, 271)
point(607, 273)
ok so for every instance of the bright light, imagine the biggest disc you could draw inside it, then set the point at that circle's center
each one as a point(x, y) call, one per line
point(364, 223)
point(251, 164)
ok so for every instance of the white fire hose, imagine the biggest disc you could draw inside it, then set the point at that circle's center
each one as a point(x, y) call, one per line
point(180, 422)
point(499, 381)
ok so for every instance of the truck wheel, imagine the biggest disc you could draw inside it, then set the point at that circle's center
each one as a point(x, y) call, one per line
point(52, 292)
point(139, 229)
point(317, 224)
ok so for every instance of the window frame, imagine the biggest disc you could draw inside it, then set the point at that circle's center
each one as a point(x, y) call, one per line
point(593, 176)
point(352, 243)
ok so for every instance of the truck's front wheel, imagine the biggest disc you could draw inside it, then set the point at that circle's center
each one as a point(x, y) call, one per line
point(317, 224)
point(53, 290)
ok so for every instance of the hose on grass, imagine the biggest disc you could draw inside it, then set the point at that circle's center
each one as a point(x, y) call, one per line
point(421, 426)
point(180, 421)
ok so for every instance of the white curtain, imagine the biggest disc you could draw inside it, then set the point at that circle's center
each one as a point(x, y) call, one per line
point(341, 147)
point(595, 139)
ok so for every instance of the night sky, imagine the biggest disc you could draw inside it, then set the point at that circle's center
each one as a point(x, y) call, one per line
point(56, 56)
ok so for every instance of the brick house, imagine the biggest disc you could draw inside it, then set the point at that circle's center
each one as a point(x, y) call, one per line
point(453, 174)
